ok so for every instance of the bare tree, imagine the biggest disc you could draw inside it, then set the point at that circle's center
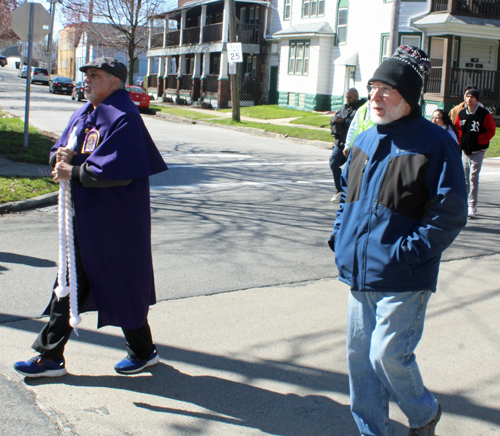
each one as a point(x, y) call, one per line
point(7, 35)
point(128, 19)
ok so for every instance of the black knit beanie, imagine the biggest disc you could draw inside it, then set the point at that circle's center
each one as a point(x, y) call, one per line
point(473, 92)
point(405, 72)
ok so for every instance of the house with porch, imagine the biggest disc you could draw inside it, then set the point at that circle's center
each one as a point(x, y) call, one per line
point(329, 46)
point(190, 46)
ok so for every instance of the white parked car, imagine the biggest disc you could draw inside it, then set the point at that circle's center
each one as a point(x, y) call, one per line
point(40, 75)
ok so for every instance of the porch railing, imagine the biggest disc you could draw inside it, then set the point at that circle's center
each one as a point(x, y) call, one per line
point(211, 83)
point(171, 82)
point(157, 40)
point(186, 82)
point(248, 33)
point(173, 38)
point(212, 32)
point(489, 8)
point(248, 86)
point(433, 84)
point(191, 36)
point(153, 81)
point(485, 81)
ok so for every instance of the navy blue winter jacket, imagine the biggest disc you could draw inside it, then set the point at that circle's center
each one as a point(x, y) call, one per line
point(404, 203)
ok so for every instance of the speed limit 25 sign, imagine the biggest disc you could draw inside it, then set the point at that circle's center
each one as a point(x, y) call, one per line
point(234, 52)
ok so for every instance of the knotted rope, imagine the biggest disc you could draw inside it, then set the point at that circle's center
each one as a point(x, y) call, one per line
point(66, 273)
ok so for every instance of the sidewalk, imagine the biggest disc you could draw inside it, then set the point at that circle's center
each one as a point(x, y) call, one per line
point(268, 361)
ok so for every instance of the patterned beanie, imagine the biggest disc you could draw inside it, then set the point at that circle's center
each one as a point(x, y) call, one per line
point(405, 72)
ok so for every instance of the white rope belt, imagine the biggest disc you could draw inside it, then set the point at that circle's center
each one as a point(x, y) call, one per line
point(66, 273)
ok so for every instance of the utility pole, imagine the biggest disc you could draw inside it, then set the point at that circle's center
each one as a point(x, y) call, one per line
point(51, 37)
point(394, 36)
point(235, 88)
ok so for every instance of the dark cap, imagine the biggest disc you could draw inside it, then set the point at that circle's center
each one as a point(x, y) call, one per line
point(473, 92)
point(110, 65)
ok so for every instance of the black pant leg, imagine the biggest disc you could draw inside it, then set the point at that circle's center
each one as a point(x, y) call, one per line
point(139, 342)
point(55, 334)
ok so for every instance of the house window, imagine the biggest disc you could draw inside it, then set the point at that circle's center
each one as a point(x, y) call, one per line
point(414, 39)
point(342, 26)
point(286, 12)
point(385, 48)
point(298, 61)
point(313, 8)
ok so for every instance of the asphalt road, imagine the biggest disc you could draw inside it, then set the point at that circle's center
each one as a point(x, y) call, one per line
point(235, 211)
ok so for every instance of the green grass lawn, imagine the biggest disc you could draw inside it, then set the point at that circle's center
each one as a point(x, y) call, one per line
point(20, 188)
point(12, 147)
point(317, 121)
point(494, 148)
point(271, 112)
point(185, 113)
point(12, 142)
point(296, 132)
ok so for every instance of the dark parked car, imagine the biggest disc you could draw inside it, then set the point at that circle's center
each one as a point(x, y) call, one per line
point(78, 91)
point(61, 85)
point(40, 75)
point(3, 61)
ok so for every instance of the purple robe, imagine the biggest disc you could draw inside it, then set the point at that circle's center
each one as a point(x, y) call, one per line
point(113, 225)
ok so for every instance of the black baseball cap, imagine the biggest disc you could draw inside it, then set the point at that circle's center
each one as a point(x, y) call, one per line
point(110, 65)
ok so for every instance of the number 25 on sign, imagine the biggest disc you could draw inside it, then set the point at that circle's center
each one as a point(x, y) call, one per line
point(234, 52)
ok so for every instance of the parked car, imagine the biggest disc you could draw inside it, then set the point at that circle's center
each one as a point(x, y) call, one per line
point(61, 84)
point(3, 61)
point(140, 82)
point(138, 96)
point(23, 72)
point(40, 75)
point(78, 91)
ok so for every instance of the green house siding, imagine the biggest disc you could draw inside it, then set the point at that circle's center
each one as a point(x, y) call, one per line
point(312, 102)
point(337, 101)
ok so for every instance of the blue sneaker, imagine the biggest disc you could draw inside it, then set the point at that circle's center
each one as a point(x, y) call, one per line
point(38, 366)
point(132, 365)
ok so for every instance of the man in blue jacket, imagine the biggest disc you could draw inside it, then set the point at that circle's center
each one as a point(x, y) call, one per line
point(404, 202)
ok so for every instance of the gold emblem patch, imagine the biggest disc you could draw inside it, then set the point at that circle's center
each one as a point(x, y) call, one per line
point(91, 141)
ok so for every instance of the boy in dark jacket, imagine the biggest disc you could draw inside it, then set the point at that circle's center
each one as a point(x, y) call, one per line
point(475, 128)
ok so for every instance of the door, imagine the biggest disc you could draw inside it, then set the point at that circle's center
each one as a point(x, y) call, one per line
point(273, 86)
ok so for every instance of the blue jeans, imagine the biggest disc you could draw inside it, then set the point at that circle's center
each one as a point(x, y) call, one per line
point(337, 159)
point(383, 330)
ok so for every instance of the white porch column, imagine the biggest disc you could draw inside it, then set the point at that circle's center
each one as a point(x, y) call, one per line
point(165, 27)
point(225, 22)
point(183, 26)
point(223, 65)
point(151, 65)
point(168, 65)
point(197, 66)
point(161, 67)
point(205, 71)
point(182, 65)
point(203, 21)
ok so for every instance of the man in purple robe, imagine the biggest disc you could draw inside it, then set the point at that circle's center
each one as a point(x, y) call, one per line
point(109, 173)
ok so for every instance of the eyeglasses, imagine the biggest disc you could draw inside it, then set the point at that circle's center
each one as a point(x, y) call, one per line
point(436, 118)
point(385, 91)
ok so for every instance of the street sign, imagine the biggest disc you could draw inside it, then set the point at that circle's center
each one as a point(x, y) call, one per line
point(234, 52)
point(20, 21)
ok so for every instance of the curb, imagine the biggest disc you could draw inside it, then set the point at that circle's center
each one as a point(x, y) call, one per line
point(30, 203)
